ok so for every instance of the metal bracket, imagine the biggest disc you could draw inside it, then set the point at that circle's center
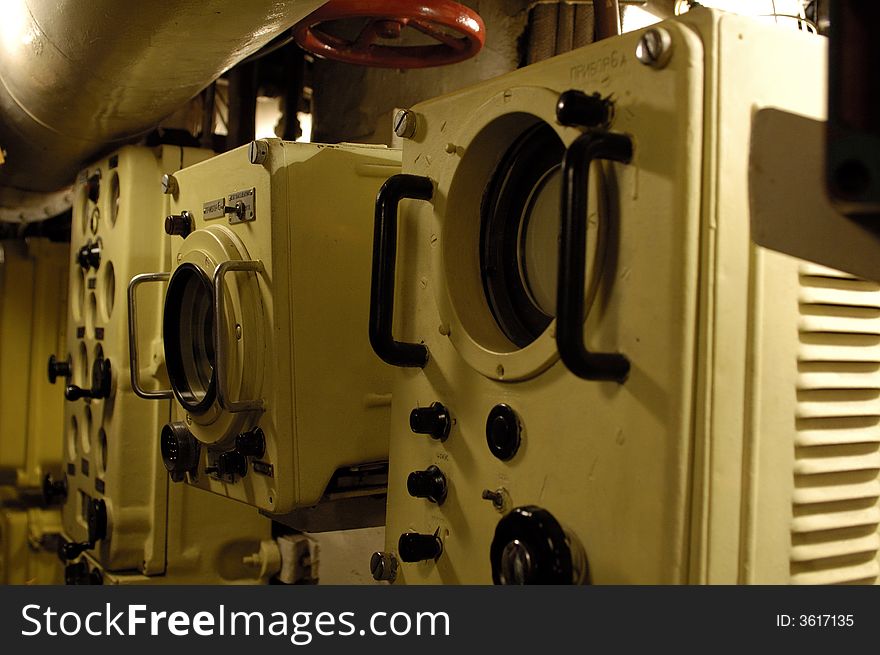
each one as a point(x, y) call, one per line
point(232, 406)
point(136, 281)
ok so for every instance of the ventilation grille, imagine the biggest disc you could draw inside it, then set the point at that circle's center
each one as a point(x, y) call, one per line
point(835, 532)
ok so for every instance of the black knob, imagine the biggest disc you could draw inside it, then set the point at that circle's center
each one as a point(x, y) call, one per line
point(503, 432)
point(78, 574)
point(229, 465)
point(577, 109)
point(434, 421)
point(69, 550)
point(430, 484)
point(252, 443)
point(96, 520)
point(58, 369)
point(415, 547)
point(102, 380)
point(89, 256)
point(531, 547)
point(93, 186)
point(54, 490)
point(180, 450)
point(181, 224)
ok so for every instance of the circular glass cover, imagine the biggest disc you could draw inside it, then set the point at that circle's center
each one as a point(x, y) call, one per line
point(519, 239)
point(189, 338)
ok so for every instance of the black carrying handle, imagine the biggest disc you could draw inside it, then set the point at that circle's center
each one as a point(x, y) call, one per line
point(572, 256)
point(395, 189)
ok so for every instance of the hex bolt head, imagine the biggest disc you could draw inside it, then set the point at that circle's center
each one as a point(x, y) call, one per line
point(258, 152)
point(405, 123)
point(654, 48)
point(169, 185)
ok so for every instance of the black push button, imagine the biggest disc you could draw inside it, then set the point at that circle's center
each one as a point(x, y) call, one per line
point(503, 431)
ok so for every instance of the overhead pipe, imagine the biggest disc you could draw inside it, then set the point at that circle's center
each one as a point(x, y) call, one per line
point(78, 79)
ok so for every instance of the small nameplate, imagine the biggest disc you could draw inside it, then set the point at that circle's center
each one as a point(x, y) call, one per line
point(214, 209)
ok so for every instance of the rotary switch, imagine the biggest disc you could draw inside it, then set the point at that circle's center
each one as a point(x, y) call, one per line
point(531, 547)
point(415, 547)
point(102, 378)
point(503, 432)
point(180, 450)
point(89, 256)
point(96, 520)
point(429, 484)
point(433, 421)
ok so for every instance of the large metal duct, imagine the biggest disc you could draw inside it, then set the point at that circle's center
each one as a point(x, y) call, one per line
point(77, 78)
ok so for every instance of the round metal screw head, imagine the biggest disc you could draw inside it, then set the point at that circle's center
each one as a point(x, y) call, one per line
point(405, 123)
point(654, 48)
point(383, 566)
point(258, 152)
point(169, 185)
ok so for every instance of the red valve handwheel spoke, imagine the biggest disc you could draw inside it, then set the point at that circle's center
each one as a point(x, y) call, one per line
point(425, 27)
point(436, 19)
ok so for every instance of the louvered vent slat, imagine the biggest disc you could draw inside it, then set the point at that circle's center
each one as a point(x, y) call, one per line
point(835, 532)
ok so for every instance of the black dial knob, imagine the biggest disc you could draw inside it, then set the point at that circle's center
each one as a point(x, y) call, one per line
point(578, 109)
point(181, 224)
point(180, 450)
point(102, 380)
point(531, 547)
point(434, 421)
point(251, 443)
point(415, 547)
point(229, 465)
point(89, 256)
point(54, 490)
point(78, 574)
point(430, 484)
point(503, 431)
point(58, 369)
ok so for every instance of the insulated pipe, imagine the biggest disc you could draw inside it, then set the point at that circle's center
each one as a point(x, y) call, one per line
point(78, 79)
point(607, 14)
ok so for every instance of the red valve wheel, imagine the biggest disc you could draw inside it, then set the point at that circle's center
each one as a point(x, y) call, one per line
point(459, 32)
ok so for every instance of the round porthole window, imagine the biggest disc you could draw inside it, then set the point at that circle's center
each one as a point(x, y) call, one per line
point(189, 325)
